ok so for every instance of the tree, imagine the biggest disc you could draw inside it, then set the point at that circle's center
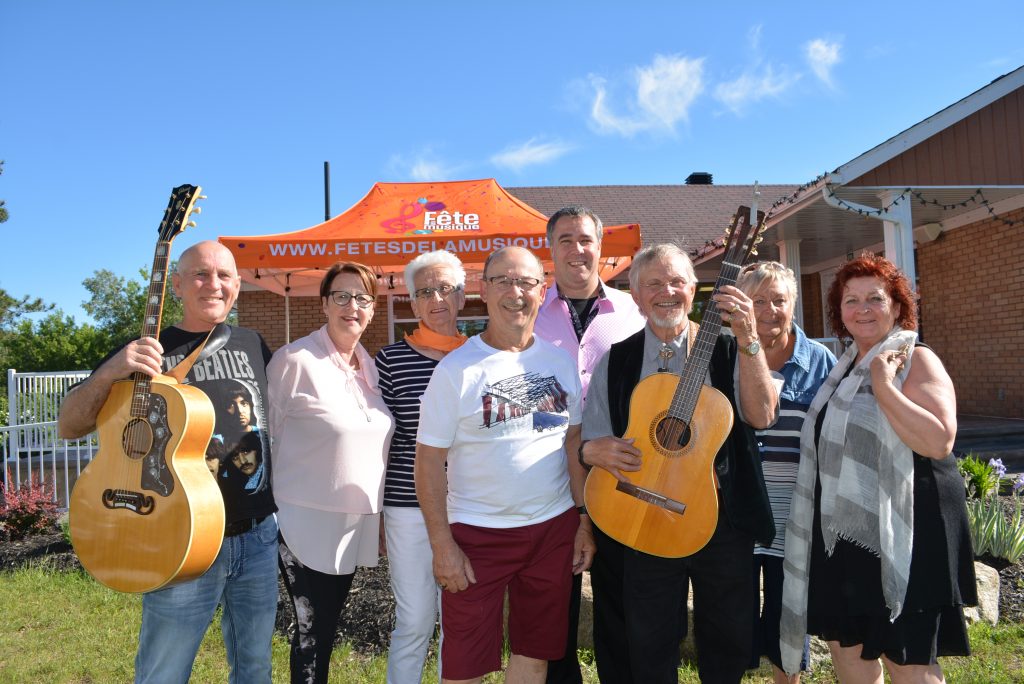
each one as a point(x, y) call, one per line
point(119, 305)
point(3, 209)
point(12, 309)
point(54, 343)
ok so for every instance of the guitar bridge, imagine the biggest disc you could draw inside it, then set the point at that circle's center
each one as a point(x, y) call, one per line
point(652, 498)
point(137, 502)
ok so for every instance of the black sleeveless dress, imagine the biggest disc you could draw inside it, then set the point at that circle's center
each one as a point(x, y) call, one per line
point(845, 601)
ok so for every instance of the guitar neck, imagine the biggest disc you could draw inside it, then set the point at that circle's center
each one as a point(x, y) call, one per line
point(698, 359)
point(151, 321)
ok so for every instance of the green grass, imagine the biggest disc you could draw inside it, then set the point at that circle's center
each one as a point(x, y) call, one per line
point(64, 628)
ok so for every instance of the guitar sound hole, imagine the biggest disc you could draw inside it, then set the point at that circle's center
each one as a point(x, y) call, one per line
point(137, 439)
point(672, 433)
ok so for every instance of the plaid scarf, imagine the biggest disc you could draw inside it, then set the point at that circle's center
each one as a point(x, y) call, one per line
point(867, 488)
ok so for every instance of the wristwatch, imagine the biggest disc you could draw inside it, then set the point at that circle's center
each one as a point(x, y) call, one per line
point(752, 348)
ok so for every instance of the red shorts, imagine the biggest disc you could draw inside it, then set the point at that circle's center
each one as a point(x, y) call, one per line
point(535, 564)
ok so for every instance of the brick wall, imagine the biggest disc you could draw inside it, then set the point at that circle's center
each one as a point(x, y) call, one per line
point(264, 311)
point(971, 282)
point(810, 299)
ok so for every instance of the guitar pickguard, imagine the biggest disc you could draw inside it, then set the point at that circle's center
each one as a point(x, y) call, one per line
point(156, 476)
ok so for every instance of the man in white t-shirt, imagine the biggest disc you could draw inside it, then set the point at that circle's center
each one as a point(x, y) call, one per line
point(500, 411)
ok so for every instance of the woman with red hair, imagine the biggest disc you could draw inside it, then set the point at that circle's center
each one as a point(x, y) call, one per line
point(878, 550)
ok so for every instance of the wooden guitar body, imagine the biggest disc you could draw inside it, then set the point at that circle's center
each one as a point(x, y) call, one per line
point(673, 510)
point(146, 512)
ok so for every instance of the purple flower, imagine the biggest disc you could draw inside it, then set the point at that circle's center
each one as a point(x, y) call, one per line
point(997, 466)
point(1018, 483)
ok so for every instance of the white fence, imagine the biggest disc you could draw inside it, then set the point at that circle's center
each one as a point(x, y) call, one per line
point(30, 450)
point(33, 453)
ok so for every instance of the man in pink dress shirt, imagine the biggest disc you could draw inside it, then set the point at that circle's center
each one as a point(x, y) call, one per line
point(584, 317)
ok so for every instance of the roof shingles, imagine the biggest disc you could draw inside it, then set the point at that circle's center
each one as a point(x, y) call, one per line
point(688, 215)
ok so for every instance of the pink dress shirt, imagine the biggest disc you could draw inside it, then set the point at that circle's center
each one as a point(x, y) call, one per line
point(617, 318)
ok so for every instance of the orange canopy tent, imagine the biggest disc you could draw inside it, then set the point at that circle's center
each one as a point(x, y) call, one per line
point(395, 222)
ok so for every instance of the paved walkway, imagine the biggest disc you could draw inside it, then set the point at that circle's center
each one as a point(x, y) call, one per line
point(989, 437)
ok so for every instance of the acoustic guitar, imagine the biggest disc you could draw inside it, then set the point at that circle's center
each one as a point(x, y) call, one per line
point(669, 507)
point(147, 513)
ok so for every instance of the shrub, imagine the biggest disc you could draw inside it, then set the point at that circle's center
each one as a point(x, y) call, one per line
point(980, 478)
point(26, 510)
point(992, 531)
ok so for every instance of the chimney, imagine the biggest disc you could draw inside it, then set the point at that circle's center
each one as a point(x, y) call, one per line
point(699, 178)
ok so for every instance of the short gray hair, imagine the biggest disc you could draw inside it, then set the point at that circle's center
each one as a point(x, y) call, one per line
point(653, 253)
point(575, 210)
point(756, 275)
point(439, 257)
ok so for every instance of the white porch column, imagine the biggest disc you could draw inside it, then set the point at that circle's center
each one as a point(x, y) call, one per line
point(789, 255)
point(898, 225)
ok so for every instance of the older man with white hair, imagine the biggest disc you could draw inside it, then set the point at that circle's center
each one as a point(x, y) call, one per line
point(654, 589)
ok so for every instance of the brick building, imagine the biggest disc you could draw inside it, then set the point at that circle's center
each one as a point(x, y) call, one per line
point(943, 199)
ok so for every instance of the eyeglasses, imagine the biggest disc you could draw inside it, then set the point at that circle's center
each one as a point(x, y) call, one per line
point(504, 282)
point(674, 283)
point(429, 292)
point(342, 298)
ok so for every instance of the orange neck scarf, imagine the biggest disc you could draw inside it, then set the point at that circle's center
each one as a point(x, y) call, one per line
point(425, 337)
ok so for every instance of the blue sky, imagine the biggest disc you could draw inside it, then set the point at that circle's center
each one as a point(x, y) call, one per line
point(108, 105)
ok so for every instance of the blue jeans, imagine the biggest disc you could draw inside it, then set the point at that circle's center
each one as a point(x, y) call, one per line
point(175, 619)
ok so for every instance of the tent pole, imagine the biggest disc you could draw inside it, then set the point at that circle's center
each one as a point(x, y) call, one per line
point(327, 191)
point(287, 309)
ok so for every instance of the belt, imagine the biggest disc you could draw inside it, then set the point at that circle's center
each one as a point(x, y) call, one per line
point(237, 527)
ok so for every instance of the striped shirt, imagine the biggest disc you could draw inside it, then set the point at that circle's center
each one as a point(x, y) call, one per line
point(780, 444)
point(404, 374)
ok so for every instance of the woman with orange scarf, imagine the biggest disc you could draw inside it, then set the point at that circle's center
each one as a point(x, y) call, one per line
point(436, 283)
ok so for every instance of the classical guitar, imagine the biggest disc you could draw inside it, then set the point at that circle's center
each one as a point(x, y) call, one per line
point(669, 508)
point(146, 512)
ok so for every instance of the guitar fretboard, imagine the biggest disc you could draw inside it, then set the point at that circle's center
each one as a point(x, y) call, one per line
point(151, 323)
point(698, 359)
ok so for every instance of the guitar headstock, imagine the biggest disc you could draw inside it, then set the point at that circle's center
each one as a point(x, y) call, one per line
point(742, 238)
point(179, 208)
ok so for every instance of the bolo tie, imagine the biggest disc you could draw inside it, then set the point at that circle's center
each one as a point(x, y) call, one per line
point(664, 354)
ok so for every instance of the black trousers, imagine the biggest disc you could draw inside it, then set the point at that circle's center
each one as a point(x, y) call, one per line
point(567, 669)
point(318, 599)
point(654, 599)
point(611, 647)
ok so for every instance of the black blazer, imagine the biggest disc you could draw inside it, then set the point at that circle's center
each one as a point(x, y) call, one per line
point(738, 462)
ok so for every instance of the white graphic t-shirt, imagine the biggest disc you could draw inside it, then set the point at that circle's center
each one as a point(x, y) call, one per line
point(503, 417)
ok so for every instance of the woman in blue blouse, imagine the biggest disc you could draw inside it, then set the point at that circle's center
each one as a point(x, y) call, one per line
point(801, 365)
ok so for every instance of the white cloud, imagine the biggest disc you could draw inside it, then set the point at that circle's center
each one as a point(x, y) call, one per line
point(754, 36)
point(529, 153)
point(665, 90)
point(751, 88)
point(424, 165)
point(821, 56)
point(427, 170)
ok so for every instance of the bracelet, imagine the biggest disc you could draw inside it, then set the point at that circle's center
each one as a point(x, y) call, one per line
point(579, 454)
point(582, 510)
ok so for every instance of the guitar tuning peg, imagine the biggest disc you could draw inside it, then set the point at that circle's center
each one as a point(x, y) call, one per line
point(201, 197)
point(191, 224)
point(753, 252)
point(197, 209)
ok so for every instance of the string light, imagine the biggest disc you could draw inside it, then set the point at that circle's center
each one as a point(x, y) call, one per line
point(978, 197)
